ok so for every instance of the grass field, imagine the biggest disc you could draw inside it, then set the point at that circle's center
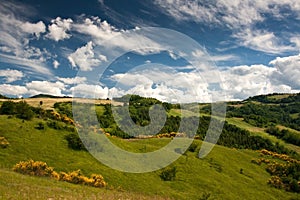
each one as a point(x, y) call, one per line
point(217, 175)
point(260, 131)
point(49, 102)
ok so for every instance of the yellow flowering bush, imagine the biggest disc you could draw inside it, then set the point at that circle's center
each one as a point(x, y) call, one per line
point(77, 177)
point(38, 168)
point(33, 168)
point(3, 142)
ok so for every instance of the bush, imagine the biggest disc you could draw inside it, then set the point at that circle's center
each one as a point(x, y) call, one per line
point(77, 177)
point(55, 125)
point(3, 142)
point(8, 108)
point(40, 126)
point(193, 147)
point(24, 111)
point(21, 109)
point(38, 168)
point(33, 168)
point(168, 174)
point(74, 142)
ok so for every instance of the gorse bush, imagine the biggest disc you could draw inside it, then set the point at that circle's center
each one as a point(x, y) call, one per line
point(283, 175)
point(3, 142)
point(39, 168)
point(33, 168)
point(77, 177)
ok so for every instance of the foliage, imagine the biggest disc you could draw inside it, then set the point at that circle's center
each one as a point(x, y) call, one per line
point(40, 126)
point(286, 98)
point(193, 147)
point(20, 109)
point(77, 177)
point(64, 108)
point(8, 108)
point(74, 142)
point(283, 175)
point(39, 168)
point(263, 115)
point(168, 174)
point(3, 142)
point(33, 168)
point(285, 135)
point(192, 173)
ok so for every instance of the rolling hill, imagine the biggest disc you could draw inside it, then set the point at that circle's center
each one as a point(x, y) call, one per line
point(228, 172)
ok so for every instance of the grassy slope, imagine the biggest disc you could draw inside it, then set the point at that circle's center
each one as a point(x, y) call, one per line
point(17, 186)
point(217, 174)
point(261, 132)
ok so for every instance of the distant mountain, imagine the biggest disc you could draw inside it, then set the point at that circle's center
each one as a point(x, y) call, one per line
point(48, 96)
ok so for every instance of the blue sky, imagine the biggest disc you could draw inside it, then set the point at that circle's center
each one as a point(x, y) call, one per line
point(63, 47)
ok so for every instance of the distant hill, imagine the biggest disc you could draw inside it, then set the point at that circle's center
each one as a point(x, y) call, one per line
point(48, 96)
point(275, 98)
point(3, 97)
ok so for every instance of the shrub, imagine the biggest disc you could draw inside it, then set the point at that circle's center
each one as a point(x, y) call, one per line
point(77, 177)
point(38, 168)
point(24, 111)
point(168, 174)
point(55, 125)
point(40, 126)
point(33, 168)
point(3, 142)
point(193, 147)
point(74, 142)
point(8, 108)
point(21, 109)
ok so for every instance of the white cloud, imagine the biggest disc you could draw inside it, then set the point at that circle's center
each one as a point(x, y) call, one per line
point(32, 28)
point(58, 29)
point(262, 41)
point(164, 84)
point(288, 70)
point(16, 35)
point(186, 9)
point(13, 90)
point(103, 33)
point(33, 65)
point(236, 83)
point(296, 41)
point(84, 57)
point(89, 91)
point(45, 87)
point(241, 17)
point(215, 58)
point(71, 81)
point(234, 14)
point(11, 75)
point(55, 64)
point(99, 30)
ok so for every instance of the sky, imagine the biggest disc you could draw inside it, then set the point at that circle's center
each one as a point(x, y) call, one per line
point(173, 50)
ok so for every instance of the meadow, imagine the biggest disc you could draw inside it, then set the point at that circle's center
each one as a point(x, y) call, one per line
point(226, 173)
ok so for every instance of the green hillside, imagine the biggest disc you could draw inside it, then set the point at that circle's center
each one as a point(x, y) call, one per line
point(228, 172)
